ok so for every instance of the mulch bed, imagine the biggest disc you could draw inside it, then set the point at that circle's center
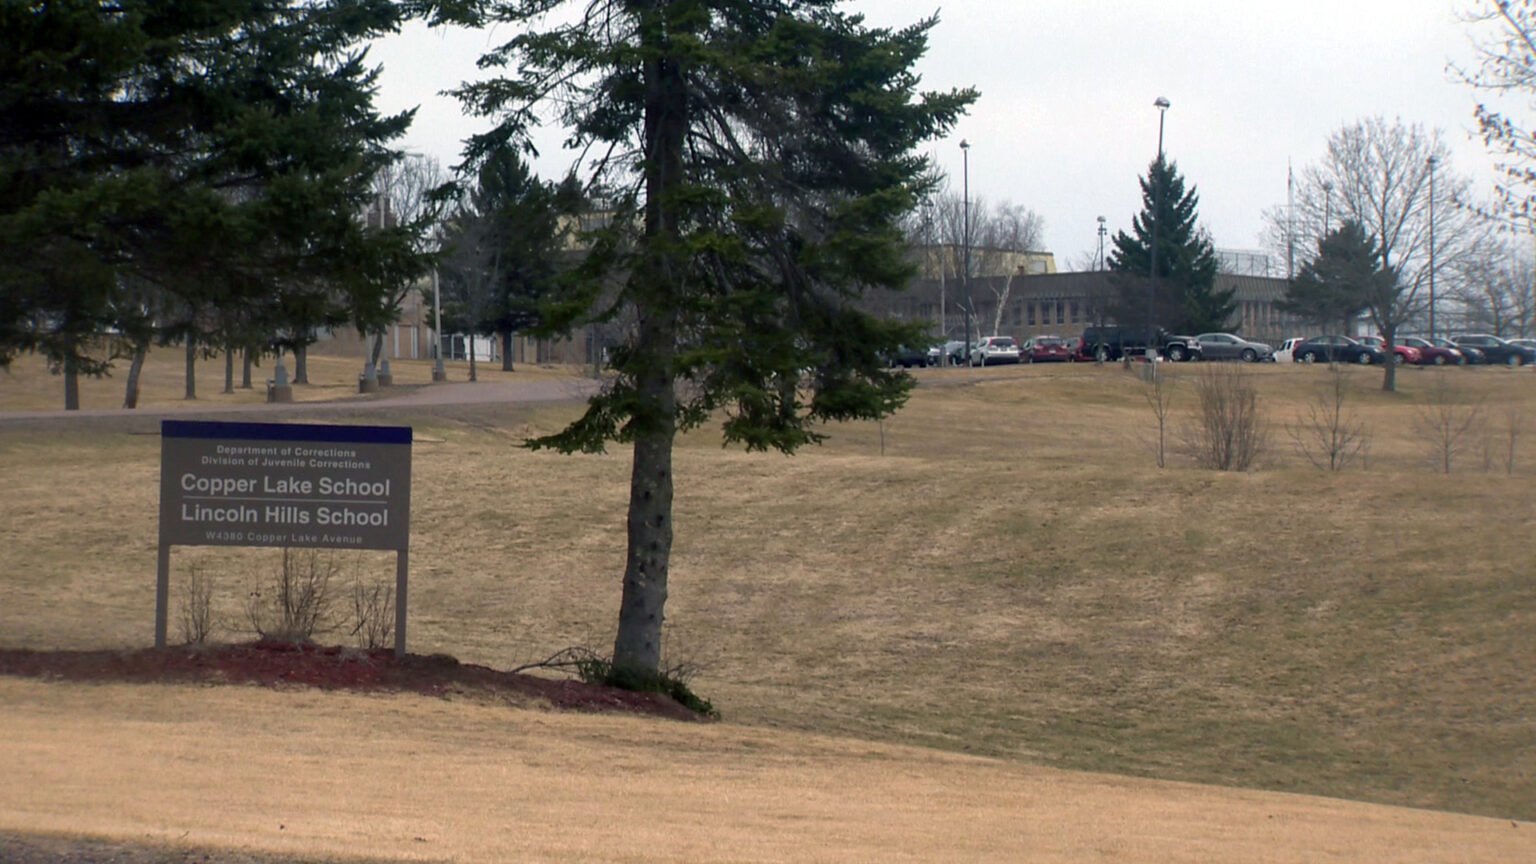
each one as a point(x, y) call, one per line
point(276, 664)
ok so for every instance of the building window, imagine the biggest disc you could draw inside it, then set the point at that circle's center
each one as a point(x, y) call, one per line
point(1031, 311)
point(1061, 312)
point(1076, 316)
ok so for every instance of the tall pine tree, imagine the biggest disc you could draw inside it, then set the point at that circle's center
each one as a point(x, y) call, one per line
point(505, 249)
point(1334, 287)
point(211, 153)
point(761, 153)
point(1183, 297)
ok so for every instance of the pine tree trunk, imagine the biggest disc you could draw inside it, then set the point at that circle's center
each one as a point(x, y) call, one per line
point(301, 363)
point(247, 360)
point(135, 368)
point(506, 351)
point(637, 646)
point(472, 357)
point(229, 370)
point(191, 366)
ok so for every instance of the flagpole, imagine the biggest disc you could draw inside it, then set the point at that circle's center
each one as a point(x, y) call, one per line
point(1290, 221)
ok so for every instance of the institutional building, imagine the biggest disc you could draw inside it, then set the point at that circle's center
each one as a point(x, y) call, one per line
point(1062, 304)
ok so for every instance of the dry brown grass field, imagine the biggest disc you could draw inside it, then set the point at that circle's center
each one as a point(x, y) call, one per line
point(1000, 571)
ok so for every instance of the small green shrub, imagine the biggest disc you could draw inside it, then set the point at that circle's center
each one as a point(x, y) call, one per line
point(672, 682)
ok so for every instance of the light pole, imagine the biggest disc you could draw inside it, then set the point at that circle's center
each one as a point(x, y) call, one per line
point(965, 185)
point(1157, 204)
point(1431, 163)
point(1327, 207)
point(1101, 243)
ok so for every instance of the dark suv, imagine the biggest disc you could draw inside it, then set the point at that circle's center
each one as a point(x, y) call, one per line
point(1114, 341)
point(1496, 350)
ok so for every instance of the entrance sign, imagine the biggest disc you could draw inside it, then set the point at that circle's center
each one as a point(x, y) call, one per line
point(285, 485)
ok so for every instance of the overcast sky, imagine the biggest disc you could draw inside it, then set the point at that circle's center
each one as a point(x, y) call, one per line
point(1065, 123)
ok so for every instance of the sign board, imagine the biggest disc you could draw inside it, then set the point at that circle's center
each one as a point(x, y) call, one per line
point(285, 485)
point(278, 484)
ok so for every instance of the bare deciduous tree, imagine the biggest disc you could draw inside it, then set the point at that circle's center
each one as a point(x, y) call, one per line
point(406, 194)
point(1446, 422)
point(1497, 289)
point(1501, 438)
point(1327, 433)
point(1504, 32)
point(1228, 432)
point(1379, 174)
point(1158, 387)
point(1000, 236)
point(1007, 231)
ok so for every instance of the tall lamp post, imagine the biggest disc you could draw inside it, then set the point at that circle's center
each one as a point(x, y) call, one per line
point(1327, 207)
point(1157, 205)
point(965, 185)
point(1101, 243)
point(1431, 163)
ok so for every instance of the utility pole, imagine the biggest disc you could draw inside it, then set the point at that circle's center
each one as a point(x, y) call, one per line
point(1157, 205)
point(1431, 162)
point(965, 156)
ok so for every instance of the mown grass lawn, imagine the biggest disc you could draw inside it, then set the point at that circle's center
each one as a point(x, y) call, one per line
point(999, 569)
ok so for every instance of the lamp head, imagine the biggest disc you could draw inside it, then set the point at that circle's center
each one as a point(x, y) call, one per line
point(1161, 103)
point(964, 144)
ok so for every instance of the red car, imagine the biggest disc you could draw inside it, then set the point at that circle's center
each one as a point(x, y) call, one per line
point(1404, 353)
point(1431, 354)
point(1045, 349)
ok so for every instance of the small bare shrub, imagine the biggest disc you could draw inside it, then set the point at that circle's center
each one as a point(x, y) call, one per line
point(297, 603)
point(1158, 389)
point(1446, 423)
point(1499, 443)
point(197, 608)
point(1327, 432)
point(1228, 433)
point(373, 614)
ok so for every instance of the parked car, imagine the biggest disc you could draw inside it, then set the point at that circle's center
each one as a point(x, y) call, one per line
point(1114, 341)
point(906, 357)
point(954, 349)
point(994, 351)
point(1336, 349)
point(1283, 353)
point(1045, 349)
point(1431, 354)
point(1469, 355)
point(1496, 349)
point(1524, 343)
point(1401, 353)
point(1074, 347)
point(1227, 346)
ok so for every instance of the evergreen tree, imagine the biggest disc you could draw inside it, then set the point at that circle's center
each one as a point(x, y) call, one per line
point(1336, 285)
point(213, 151)
point(505, 249)
point(1184, 297)
point(762, 153)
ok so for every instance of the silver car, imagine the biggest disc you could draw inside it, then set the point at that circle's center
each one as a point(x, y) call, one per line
point(1226, 346)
